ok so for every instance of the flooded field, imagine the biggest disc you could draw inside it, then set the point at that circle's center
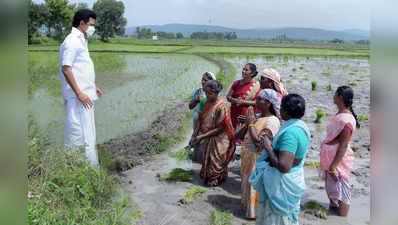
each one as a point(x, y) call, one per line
point(136, 91)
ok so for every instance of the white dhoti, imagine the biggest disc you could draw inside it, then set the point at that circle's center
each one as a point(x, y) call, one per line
point(80, 128)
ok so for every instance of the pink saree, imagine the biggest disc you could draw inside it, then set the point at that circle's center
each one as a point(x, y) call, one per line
point(328, 152)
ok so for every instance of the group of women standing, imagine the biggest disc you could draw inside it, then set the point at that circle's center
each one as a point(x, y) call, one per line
point(273, 152)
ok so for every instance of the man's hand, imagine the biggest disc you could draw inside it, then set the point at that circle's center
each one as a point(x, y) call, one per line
point(99, 93)
point(85, 100)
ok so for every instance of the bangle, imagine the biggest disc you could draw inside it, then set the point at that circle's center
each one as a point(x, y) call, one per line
point(332, 171)
point(251, 125)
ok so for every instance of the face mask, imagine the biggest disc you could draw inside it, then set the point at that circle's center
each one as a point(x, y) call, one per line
point(90, 31)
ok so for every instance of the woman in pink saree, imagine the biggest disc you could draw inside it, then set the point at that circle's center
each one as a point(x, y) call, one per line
point(336, 156)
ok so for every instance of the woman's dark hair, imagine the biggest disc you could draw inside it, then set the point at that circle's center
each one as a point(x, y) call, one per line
point(214, 86)
point(83, 14)
point(253, 68)
point(293, 105)
point(348, 95)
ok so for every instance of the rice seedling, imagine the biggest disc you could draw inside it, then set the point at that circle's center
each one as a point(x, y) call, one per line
point(192, 193)
point(314, 85)
point(362, 118)
point(220, 218)
point(312, 164)
point(301, 67)
point(352, 84)
point(326, 74)
point(177, 175)
point(306, 78)
point(319, 115)
point(351, 73)
point(294, 69)
point(329, 87)
point(314, 208)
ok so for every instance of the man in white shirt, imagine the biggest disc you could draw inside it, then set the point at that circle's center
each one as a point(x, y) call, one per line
point(78, 85)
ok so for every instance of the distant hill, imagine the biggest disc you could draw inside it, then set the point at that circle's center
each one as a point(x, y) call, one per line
point(313, 34)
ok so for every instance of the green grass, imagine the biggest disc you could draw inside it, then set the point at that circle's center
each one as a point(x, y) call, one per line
point(177, 175)
point(362, 118)
point(316, 209)
point(301, 67)
point(66, 189)
point(192, 193)
point(165, 142)
point(294, 69)
point(314, 85)
point(319, 115)
point(220, 218)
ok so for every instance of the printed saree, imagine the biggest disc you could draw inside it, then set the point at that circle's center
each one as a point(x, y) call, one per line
point(249, 155)
point(218, 149)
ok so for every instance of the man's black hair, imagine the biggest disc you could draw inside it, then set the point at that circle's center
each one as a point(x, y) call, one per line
point(83, 14)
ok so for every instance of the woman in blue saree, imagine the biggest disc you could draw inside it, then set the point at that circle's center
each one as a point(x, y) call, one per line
point(279, 174)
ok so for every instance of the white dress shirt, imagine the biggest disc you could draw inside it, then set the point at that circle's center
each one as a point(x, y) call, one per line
point(74, 52)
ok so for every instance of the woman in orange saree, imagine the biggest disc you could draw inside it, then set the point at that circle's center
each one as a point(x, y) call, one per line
point(265, 123)
point(242, 93)
point(216, 129)
point(336, 156)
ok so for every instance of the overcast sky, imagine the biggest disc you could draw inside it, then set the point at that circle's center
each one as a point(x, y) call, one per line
point(327, 14)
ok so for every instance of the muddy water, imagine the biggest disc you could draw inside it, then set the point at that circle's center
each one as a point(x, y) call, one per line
point(133, 97)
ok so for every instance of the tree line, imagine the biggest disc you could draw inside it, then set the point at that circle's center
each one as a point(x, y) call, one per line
point(204, 35)
point(145, 33)
point(54, 18)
